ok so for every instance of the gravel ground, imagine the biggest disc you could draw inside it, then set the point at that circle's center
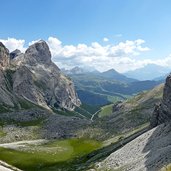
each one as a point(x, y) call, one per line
point(149, 152)
point(36, 124)
point(16, 133)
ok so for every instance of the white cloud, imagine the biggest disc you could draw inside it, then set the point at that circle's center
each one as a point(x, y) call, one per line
point(54, 45)
point(105, 39)
point(12, 44)
point(101, 57)
point(122, 56)
point(166, 62)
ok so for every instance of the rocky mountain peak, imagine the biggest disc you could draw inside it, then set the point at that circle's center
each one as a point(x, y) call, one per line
point(15, 53)
point(38, 53)
point(162, 111)
point(4, 56)
point(32, 76)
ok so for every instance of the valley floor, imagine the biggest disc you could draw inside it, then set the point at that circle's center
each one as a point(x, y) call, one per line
point(36, 139)
point(47, 155)
point(68, 155)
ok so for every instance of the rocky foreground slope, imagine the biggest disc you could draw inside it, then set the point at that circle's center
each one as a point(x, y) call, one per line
point(152, 150)
point(33, 77)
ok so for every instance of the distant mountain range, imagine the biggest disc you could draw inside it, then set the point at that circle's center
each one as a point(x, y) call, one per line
point(78, 70)
point(100, 88)
point(161, 77)
point(111, 74)
point(75, 70)
point(149, 72)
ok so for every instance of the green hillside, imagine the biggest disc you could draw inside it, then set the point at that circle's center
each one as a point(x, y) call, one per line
point(96, 89)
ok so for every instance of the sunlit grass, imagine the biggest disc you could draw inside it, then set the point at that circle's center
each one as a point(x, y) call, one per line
point(48, 155)
point(106, 110)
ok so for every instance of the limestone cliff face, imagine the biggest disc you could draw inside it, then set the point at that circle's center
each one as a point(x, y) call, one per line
point(4, 56)
point(15, 53)
point(34, 77)
point(38, 53)
point(162, 112)
point(6, 98)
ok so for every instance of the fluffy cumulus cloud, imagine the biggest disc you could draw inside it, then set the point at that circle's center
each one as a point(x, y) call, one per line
point(122, 56)
point(165, 62)
point(12, 44)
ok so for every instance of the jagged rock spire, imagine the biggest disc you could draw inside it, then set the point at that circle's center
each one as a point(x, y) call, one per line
point(38, 52)
point(4, 56)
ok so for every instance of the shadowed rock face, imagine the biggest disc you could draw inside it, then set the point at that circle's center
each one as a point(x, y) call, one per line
point(162, 112)
point(15, 53)
point(34, 77)
point(4, 56)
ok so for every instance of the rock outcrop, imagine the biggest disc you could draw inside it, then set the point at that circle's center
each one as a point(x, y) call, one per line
point(38, 53)
point(162, 112)
point(4, 56)
point(6, 98)
point(34, 77)
point(15, 53)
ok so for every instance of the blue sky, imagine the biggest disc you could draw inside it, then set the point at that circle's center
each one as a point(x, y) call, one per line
point(86, 21)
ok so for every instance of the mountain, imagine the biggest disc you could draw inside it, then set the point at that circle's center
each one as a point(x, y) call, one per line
point(35, 94)
point(4, 56)
point(33, 77)
point(101, 88)
point(79, 70)
point(75, 70)
point(149, 72)
point(96, 89)
point(161, 78)
point(113, 74)
point(162, 112)
point(15, 53)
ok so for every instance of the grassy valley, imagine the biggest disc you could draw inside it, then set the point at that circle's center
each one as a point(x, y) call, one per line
point(102, 89)
point(55, 155)
point(44, 132)
point(113, 126)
